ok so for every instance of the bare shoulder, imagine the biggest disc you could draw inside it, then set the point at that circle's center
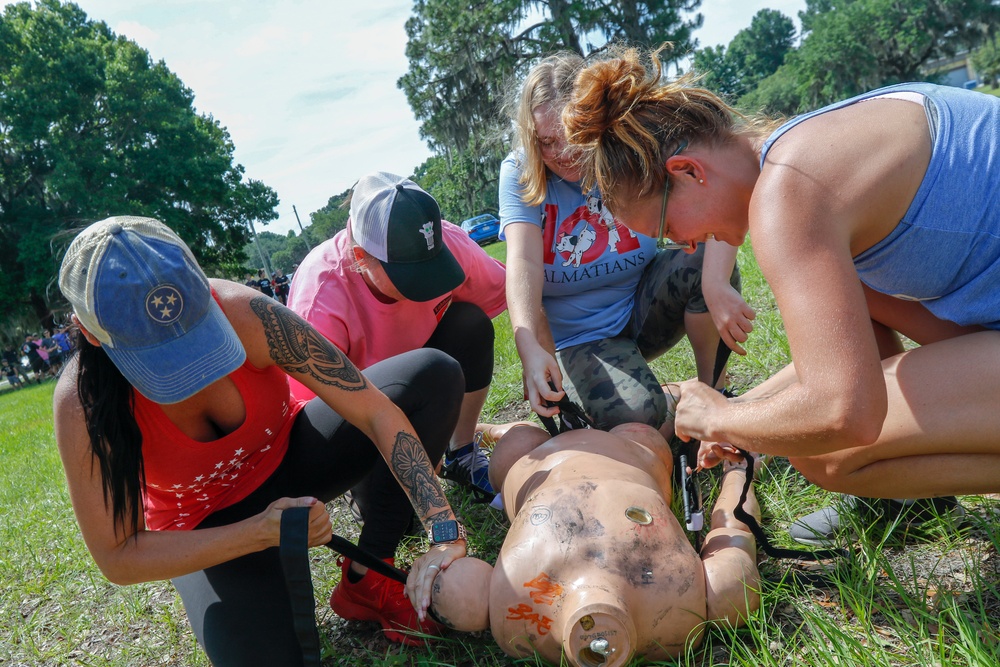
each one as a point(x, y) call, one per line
point(66, 397)
point(853, 170)
point(68, 416)
point(236, 301)
point(230, 294)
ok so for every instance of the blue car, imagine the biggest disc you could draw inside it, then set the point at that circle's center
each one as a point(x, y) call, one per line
point(483, 229)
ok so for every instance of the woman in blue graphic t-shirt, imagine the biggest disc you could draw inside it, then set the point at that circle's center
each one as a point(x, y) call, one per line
point(590, 301)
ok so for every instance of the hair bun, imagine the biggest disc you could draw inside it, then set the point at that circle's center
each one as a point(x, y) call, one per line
point(605, 94)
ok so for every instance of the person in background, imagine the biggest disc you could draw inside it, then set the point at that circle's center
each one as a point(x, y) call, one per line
point(13, 360)
point(36, 356)
point(9, 372)
point(182, 444)
point(871, 218)
point(62, 339)
point(280, 282)
point(399, 278)
point(591, 303)
point(264, 283)
point(53, 349)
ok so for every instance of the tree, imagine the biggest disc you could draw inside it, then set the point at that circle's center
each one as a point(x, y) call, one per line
point(459, 54)
point(330, 219)
point(451, 180)
point(717, 71)
point(90, 127)
point(986, 60)
point(776, 94)
point(648, 23)
point(466, 58)
point(851, 46)
point(754, 54)
point(761, 49)
point(464, 55)
point(857, 45)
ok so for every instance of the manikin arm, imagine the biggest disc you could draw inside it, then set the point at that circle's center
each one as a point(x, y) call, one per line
point(732, 582)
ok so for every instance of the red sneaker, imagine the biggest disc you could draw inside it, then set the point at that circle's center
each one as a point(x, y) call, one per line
point(380, 599)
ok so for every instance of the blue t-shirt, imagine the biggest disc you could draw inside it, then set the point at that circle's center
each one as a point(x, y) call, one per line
point(592, 262)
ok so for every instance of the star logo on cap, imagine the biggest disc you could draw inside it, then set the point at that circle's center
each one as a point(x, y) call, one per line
point(164, 304)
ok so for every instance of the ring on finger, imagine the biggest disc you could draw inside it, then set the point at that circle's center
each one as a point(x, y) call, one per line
point(433, 567)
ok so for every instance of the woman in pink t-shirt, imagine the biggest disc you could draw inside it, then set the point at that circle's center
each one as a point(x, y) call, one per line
point(399, 278)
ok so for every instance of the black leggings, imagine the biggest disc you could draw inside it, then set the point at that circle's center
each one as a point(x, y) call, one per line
point(239, 610)
point(466, 334)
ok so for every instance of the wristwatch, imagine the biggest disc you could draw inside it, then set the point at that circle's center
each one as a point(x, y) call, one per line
point(447, 532)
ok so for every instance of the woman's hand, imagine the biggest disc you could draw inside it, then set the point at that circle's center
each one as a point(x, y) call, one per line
point(539, 368)
point(421, 578)
point(320, 527)
point(711, 454)
point(695, 408)
point(732, 315)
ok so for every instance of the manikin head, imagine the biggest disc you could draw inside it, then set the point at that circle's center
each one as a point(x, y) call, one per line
point(460, 597)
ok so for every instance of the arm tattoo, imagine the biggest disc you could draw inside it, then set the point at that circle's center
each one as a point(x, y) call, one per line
point(298, 348)
point(413, 469)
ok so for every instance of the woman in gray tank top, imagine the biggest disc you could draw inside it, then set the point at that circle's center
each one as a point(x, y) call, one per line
point(869, 220)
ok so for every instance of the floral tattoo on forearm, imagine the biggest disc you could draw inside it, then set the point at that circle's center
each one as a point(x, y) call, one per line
point(298, 348)
point(412, 467)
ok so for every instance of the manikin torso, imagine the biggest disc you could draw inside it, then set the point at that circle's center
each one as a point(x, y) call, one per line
point(595, 563)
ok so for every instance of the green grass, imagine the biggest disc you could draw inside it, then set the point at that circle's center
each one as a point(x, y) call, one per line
point(900, 600)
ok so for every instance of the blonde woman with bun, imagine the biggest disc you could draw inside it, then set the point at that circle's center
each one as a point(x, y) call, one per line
point(872, 217)
point(590, 302)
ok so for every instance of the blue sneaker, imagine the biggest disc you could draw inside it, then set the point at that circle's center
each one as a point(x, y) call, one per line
point(470, 467)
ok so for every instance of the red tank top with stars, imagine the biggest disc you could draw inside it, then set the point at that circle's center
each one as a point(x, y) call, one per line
point(187, 480)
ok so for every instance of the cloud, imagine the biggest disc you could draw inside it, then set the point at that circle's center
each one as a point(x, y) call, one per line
point(137, 32)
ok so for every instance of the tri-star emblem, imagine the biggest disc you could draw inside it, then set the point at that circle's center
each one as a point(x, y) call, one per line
point(164, 304)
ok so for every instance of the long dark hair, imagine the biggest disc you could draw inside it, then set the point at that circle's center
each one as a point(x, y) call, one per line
point(115, 438)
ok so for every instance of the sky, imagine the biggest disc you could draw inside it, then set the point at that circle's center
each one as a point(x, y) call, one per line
point(307, 88)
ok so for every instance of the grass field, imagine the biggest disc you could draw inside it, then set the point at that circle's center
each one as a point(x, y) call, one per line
point(900, 599)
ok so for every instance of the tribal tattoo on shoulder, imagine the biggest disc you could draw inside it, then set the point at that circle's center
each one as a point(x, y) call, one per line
point(411, 465)
point(298, 348)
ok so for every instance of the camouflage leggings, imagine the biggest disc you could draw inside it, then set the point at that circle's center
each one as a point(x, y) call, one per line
point(610, 378)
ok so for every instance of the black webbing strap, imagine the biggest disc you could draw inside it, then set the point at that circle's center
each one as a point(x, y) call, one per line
point(294, 553)
point(721, 357)
point(571, 416)
point(751, 523)
point(694, 512)
point(359, 555)
point(293, 550)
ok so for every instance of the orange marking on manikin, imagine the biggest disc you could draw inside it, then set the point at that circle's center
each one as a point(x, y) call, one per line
point(546, 591)
point(524, 612)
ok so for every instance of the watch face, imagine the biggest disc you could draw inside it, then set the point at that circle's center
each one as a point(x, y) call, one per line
point(446, 531)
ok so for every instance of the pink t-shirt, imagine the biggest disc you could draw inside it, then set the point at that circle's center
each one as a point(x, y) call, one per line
point(335, 299)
